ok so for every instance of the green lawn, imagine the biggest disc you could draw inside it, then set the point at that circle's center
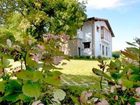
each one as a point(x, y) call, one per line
point(78, 67)
point(79, 72)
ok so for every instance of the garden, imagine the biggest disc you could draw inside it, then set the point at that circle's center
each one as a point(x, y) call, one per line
point(32, 32)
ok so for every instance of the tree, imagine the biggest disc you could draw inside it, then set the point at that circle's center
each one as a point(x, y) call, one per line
point(46, 16)
point(23, 24)
point(29, 20)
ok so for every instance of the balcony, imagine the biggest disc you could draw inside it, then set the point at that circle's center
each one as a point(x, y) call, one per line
point(105, 35)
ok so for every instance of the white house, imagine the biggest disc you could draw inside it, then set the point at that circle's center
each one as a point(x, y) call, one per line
point(93, 39)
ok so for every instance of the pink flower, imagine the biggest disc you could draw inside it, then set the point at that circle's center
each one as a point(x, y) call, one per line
point(65, 38)
point(41, 47)
point(57, 60)
point(35, 57)
point(137, 103)
point(85, 96)
point(88, 94)
point(138, 91)
point(37, 103)
point(102, 102)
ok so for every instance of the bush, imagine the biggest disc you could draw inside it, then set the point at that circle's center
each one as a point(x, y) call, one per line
point(116, 54)
point(121, 77)
point(81, 57)
point(99, 57)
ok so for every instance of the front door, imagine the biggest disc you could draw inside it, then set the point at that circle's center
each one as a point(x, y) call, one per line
point(79, 51)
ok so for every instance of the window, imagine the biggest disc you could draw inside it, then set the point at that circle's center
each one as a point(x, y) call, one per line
point(102, 32)
point(97, 28)
point(100, 47)
point(103, 50)
point(106, 51)
point(86, 44)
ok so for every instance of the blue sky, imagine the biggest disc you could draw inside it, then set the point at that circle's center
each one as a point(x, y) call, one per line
point(123, 15)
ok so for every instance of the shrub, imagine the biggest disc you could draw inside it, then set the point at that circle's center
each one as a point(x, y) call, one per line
point(81, 57)
point(116, 54)
point(121, 78)
point(99, 57)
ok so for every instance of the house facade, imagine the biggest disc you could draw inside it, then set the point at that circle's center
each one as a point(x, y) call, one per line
point(93, 39)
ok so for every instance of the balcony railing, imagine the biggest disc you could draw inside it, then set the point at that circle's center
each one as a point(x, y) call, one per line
point(105, 35)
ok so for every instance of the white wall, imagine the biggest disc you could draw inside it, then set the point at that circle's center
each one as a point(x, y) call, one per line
point(99, 42)
point(85, 34)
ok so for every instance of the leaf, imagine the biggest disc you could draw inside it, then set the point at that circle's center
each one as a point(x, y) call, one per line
point(131, 44)
point(37, 75)
point(24, 98)
point(130, 55)
point(24, 75)
point(30, 75)
point(75, 100)
point(31, 89)
point(114, 66)
point(137, 84)
point(132, 101)
point(53, 78)
point(59, 94)
point(133, 49)
point(2, 86)
point(31, 63)
point(11, 97)
point(6, 63)
point(9, 42)
point(13, 86)
point(118, 64)
point(127, 83)
point(100, 73)
point(115, 75)
point(134, 77)
point(135, 69)
point(1, 99)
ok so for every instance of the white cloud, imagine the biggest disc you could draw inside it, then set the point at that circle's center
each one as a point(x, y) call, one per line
point(102, 4)
point(108, 4)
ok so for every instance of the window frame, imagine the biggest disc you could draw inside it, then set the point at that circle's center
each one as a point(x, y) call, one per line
point(86, 45)
point(97, 28)
point(103, 50)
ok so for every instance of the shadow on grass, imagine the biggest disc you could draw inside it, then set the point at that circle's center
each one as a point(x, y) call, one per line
point(80, 80)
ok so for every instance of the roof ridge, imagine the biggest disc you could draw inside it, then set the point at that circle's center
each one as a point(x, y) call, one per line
point(102, 19)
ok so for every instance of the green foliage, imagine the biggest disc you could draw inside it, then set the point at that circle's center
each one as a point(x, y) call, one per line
point(32, 32)
point(55, 77)
point(122, 77)
point(100, 73)
point(29, 75)
point(31, 89)
point(46, 16)
point(116, 54)
point(2, 86)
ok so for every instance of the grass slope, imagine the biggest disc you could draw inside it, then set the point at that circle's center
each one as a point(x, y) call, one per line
point(79, 73)
point(78, 67)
